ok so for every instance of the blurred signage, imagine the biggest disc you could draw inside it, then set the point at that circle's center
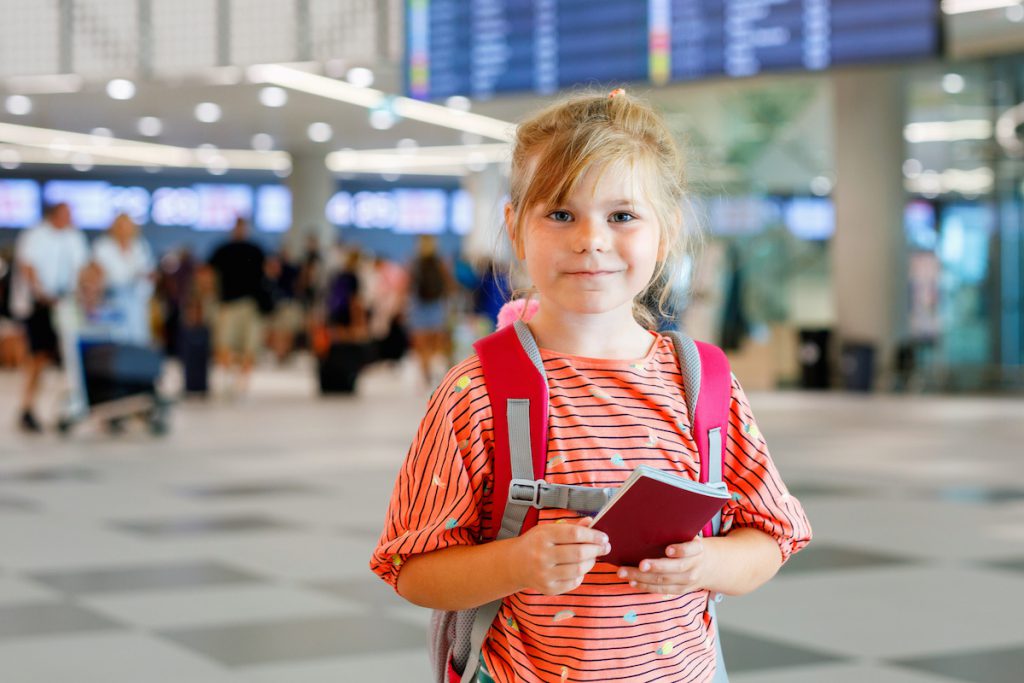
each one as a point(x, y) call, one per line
point(408, 211)
point(810, 218)
point(95, 203)
point(273, 208)
point(20, 205)
point(482, 47)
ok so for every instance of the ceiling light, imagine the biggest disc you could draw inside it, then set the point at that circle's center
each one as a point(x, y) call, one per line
point(262, 142)
point(953, 83)
point(359, 76)
point(965, 6)
point(283, 172)
point(320, 132)
point(407, 145)
point(403, 107)
point(208, 112)
point(81, 161)
point(9, 158)
point(273, 96)
point(217, 166)
point(382, 119)
point(152, 168)
point(102, 132)
point(121, 89)
point(207, 153)
point(150, 126)
point(912, 168)
point(821, 186)
point(19, 105)
point(458, 103)
point(1015, 13)
point(948, 131)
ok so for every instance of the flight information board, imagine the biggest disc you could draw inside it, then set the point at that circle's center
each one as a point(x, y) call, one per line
point(483, 47)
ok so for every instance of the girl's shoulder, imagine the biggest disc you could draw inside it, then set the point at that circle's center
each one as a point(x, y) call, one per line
point(463, 383)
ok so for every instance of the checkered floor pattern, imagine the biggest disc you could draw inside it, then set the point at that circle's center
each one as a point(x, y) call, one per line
point(234, 549)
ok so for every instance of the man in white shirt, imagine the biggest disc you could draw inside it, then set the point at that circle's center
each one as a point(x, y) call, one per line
point(47, 260)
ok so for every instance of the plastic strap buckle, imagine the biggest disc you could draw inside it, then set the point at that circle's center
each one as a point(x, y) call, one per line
point(525, 492)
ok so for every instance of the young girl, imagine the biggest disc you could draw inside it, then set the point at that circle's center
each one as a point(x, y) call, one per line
point(594, 215)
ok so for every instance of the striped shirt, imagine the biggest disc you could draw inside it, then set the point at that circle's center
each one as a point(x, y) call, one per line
point(605, 418)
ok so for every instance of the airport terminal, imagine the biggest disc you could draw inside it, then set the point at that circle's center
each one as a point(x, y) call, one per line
point(244, 243)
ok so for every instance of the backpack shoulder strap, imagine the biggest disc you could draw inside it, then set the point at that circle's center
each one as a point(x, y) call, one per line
point(518, 390)
point(707, 382)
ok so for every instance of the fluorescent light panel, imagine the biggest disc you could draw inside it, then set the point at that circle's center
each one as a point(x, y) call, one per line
point(129, 152)
point(426, 112)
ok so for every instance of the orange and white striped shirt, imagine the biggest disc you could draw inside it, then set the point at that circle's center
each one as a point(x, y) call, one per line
point(605, 418)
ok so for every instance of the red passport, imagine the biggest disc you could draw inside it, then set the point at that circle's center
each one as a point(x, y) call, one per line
point(654, 509)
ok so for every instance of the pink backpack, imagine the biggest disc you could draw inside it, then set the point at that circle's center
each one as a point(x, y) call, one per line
point(515, 380)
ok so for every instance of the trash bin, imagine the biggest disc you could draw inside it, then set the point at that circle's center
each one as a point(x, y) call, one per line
point(813, 357)
point(857, 366)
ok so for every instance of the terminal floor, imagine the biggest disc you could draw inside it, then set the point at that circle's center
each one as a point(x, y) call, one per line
point(235, 548)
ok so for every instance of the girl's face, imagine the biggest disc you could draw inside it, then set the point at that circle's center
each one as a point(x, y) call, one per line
point(595, 252)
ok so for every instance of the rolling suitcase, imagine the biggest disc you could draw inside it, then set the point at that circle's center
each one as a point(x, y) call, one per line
point(194, 351)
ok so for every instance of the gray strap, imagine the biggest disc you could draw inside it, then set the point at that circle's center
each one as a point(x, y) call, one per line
point(540, 494)
point(689, 364)
point(721, 675)
point(485, 615)
point(715, 469)
point(529, 345)
point(518, 416)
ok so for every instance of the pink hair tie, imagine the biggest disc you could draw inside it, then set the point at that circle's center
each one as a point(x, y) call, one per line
point(517, 309)
point(616, 93)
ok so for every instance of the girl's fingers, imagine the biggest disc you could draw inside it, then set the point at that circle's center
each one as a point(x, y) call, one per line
point(681, 550)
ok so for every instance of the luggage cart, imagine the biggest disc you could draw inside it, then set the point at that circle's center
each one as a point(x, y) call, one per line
point(107, 380)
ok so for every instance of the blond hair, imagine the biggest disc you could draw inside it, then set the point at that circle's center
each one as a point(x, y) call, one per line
point(554, 148)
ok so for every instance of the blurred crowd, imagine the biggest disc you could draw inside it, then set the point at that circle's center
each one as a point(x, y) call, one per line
point(241, 305)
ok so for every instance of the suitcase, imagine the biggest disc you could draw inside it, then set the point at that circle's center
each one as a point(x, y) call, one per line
point(194, 351)
point(340, 369)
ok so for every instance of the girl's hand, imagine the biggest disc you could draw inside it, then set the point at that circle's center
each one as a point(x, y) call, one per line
point(554, 558)
point(684, 569)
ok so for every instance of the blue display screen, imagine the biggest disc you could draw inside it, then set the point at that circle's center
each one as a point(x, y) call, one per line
point(483, 47)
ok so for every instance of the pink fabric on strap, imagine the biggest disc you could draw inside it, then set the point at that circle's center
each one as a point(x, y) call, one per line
point(509, 373)
point(712, 407)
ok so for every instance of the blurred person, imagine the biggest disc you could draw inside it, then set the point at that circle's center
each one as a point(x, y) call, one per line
point(387, 328)
point(47, 260)
point(344, 350)
point(129, 271)
point(287, 318)
point(13, 348)
point(430, 283)
point(239, 266)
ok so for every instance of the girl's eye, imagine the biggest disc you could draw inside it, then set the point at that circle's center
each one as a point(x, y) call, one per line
point(621, 217)
point(560, 216)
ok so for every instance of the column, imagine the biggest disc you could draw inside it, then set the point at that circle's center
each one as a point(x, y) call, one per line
point(869, 263)
point(312, 185)
point(489, 189)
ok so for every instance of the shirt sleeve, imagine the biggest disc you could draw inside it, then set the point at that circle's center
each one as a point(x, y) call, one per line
point(760, 498)
point(437, 499)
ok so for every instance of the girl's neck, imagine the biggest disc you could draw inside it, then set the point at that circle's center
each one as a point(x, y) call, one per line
point(614, 335)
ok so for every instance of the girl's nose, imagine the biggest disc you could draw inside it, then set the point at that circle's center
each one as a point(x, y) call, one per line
point(590, 235)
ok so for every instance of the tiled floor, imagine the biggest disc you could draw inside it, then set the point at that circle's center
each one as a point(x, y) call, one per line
point(234, 549)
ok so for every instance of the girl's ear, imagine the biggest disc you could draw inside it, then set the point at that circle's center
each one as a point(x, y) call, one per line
point(510, 227)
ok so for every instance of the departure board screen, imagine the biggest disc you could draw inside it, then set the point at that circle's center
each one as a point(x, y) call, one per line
point(483, 47)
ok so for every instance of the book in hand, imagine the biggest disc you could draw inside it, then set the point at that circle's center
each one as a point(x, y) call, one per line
point(655, 509)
